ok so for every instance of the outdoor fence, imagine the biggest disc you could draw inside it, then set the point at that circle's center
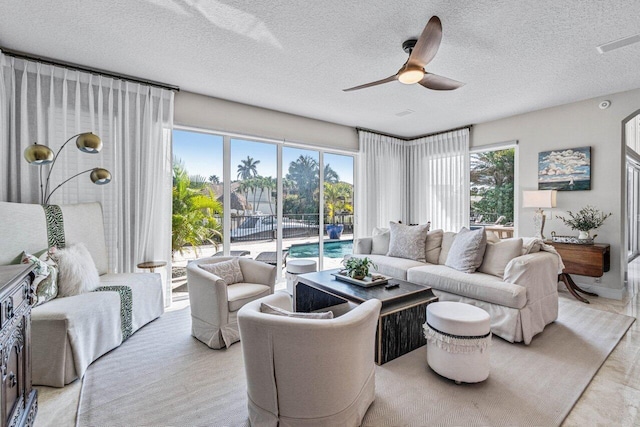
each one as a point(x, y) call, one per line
point(246, 228)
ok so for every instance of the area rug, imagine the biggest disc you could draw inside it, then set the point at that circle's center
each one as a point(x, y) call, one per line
point(163, 377)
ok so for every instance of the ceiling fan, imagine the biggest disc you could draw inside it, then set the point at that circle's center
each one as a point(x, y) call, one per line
point(421, 52)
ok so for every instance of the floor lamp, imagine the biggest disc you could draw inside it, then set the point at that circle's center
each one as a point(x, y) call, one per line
point(539, 199)
point(41, 155)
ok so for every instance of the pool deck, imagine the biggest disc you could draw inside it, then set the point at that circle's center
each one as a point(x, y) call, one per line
point(254, 248)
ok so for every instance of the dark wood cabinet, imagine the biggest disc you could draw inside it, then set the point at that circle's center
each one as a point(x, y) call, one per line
point(585, 260)
point(18, 399)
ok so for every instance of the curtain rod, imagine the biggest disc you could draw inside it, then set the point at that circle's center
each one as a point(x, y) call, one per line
point(76, 67)
point(415, 137)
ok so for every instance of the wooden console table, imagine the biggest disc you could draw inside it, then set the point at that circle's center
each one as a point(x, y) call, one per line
point(585, 260)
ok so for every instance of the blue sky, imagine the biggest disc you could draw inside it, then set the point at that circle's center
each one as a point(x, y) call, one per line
point(202, 155)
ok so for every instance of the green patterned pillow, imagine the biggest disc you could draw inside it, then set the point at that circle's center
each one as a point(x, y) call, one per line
point(46, 280)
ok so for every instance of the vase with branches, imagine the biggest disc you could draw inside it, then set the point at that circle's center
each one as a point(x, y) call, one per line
point(585, 220)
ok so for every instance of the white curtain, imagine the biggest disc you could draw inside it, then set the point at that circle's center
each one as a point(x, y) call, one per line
point(382, 182)
point(439, 185)
point(417, 181)
point(48, 104)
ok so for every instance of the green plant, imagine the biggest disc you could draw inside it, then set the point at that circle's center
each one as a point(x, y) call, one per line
point(358, 268)
point(587, 218)
point(193, 221)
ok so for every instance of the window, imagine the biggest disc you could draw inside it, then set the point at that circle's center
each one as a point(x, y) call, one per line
point(492, 176)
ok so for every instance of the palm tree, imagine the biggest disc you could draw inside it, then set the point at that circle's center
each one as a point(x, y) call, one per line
point(214, 179)
point(330, 175)
point(193, 220)
point(270, 184)
point(248, 168)
point(244, 187)
point(336, 198)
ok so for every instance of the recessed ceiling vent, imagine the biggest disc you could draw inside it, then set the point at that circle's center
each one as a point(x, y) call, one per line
point(617, 44)
point(404, 113)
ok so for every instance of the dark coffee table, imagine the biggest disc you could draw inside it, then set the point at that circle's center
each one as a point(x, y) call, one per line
point(404, 309)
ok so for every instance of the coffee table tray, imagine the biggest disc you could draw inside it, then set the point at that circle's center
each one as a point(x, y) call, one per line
point(366, 282)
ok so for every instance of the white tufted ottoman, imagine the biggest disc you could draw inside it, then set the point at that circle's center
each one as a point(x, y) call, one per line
point(458, 340)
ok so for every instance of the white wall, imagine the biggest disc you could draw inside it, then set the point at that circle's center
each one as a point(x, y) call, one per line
point(217, 114)
point(568, 126)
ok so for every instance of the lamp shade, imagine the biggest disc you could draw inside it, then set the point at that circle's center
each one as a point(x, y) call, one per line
point(37, 154)
point(100, 176)
point(89, 142)
point(539, 199)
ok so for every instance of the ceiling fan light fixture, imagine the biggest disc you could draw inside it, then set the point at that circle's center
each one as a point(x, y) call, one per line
point(411, 76)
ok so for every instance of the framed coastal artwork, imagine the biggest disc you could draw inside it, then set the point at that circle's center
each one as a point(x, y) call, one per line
point(565, 170)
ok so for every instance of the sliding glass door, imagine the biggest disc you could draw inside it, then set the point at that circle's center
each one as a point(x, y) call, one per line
point(259, 199)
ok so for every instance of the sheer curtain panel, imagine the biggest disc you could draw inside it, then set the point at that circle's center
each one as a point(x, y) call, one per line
point(439, 185)
point(48, 104)
point(383, 182)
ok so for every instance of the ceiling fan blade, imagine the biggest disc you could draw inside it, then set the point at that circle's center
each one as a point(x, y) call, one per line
point(436, 82)
point(427, 45)
point(378, 82)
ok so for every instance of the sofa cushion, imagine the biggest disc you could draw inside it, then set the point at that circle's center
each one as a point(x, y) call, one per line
point(497, 256)
point(467, 250)
point(433, 245)
point(67, 334)
point(380, 241)
point(229, 271)
point(447, 241)
point(241, 293)
point(480, 286)
point(77, 271)
point(408, 241)
point(390, 266)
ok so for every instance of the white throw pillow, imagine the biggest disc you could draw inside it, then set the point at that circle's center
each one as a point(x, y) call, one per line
point(408, 241)
point(434, 243)
point(229, 271)
point(467, 250)
point(270, 309)
point(77, 270)
point(447, 240)
point(498, 255)
point(380, 241)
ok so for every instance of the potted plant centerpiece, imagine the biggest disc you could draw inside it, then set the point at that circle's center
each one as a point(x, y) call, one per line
point(358, 268)
point(585, 220)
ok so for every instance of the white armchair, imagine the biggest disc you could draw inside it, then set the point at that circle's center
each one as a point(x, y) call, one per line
point(308, 371)
point(214, 305)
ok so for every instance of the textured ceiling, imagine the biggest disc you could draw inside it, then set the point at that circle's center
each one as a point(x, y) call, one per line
point(297, 56)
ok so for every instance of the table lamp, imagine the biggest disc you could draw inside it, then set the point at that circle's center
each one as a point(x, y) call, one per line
point(539, 199)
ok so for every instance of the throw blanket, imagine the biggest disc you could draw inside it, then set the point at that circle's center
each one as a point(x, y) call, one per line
point(532, 244)
point(126, 304)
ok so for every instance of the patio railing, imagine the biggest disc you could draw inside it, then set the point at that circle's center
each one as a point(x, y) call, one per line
point(246, 228)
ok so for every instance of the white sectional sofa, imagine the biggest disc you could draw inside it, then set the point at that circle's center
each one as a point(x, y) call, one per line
point(521, 301)
point(68, 334)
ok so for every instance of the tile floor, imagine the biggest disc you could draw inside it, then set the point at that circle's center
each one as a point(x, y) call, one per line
point(613, 397)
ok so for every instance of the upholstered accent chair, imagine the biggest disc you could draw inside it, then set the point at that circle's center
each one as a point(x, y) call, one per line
point(318, 372)
point(215, 303)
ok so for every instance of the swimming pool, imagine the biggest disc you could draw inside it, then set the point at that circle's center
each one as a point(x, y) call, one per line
point(336, 249)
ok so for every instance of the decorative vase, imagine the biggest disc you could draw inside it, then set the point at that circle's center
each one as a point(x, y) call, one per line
point(583, 235)
point(334, 231)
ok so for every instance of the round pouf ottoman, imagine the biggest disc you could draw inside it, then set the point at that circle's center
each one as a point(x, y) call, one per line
point(458, 341)
point(295, 267)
